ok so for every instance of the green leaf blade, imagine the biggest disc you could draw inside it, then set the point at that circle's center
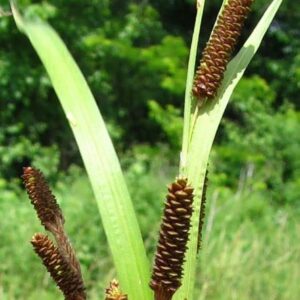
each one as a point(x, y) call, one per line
point(189, 84)
point(99, 157)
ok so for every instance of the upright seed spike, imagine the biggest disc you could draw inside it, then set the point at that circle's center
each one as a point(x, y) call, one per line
point(171, 248)
point(219, 49)
point(42, 199)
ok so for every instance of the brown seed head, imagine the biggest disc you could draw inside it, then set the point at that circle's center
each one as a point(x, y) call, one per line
point(67, 280)
point(219, 48)
point(42, 199)
point(167, 271)
point(113, 292)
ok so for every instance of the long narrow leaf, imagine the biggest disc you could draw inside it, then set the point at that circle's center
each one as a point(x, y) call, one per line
point(189, 83)
point(98, 154)
point(205, 128)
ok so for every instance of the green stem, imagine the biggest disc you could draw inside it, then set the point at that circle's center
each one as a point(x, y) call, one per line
point(187, 128)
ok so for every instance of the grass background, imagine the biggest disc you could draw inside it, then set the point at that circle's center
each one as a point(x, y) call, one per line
point(249, 249)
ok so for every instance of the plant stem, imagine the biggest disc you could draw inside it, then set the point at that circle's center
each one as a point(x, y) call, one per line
point(187, 128)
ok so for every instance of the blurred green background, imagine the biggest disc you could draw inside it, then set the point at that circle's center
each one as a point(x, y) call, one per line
point(134, 56)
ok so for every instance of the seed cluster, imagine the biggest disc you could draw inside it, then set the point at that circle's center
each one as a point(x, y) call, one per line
point(67, 280)
point(60, 260)
point(167, 271)
point(41, 198)
point(113, 292)
point(219, 48)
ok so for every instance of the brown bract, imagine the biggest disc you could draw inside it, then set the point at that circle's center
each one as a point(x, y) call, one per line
point(169, 258)
point(219, 49)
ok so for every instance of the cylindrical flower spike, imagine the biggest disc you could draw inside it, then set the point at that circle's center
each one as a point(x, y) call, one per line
point(67, 280)
point(219, 48)
point(42, 199)
point(167, 271)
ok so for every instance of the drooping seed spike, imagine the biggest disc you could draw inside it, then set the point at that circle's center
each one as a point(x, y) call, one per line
point(219, 49)
point(113, 292)
point(171, 248)
point(52, 219)
point(67, 280)
point(42, 198)
point(202, 211)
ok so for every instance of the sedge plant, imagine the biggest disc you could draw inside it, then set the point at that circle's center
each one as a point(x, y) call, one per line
point(208, 90)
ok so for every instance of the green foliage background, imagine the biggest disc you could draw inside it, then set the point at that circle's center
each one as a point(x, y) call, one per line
point(134, 56)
